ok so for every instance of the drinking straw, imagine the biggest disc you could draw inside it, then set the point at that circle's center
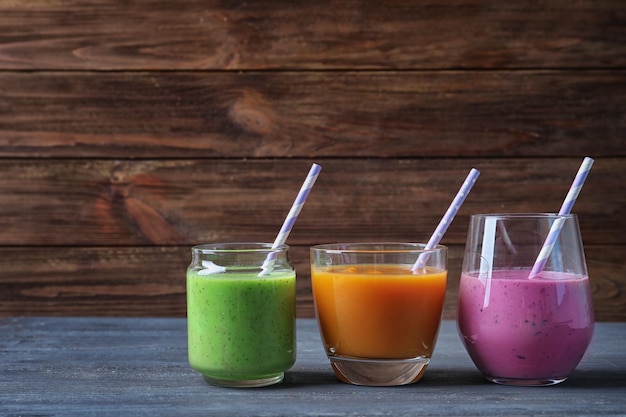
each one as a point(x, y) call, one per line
point(447, 218)
point(566, 208)
point(281, 238)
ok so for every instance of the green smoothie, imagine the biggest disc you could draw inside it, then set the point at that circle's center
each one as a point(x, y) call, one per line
point(241, 326)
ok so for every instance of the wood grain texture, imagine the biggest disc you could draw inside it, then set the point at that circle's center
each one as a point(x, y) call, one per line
point(150, 281)
point(51, 209)
point(278, 34)
point(313, 114)
point(130, 131)
point(108, 202)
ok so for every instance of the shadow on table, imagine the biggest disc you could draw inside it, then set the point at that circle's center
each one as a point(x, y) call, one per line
point(597, 378)
point(464, 377)
point(579, 379)
point(308, 378)
point(447, 378)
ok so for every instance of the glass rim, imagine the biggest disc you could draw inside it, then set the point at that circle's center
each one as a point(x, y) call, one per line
point(538, 215)
point(239, 247)
point(377, 247)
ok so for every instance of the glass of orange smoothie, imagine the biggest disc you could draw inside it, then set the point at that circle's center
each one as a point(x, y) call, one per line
point(378, 315)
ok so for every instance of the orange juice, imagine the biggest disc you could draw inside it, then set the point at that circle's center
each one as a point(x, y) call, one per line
point(378, 311)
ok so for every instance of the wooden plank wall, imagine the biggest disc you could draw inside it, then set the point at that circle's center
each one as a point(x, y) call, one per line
point(130, 131)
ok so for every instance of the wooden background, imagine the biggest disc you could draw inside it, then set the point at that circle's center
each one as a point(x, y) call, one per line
point(130, 131)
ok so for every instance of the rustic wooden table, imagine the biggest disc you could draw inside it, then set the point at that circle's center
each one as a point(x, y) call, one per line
point(138, 366)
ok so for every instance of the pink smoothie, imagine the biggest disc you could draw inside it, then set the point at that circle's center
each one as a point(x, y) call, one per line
point(528, 329)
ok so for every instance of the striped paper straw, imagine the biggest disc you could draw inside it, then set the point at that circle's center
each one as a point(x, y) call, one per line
point(566, 208)
point(447, 218)
point(268, 264)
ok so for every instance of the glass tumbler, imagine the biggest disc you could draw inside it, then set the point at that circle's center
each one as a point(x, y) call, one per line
point(241, 323)
point(378, 318)
point(518, 328)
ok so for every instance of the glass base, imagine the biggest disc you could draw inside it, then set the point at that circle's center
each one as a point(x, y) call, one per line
point(378, 372)
point(245, 383)
point(539, 382)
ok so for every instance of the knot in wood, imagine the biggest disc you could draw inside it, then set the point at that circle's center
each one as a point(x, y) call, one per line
point(252, 113)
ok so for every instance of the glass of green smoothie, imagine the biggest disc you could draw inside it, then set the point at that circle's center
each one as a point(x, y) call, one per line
point(241, 317)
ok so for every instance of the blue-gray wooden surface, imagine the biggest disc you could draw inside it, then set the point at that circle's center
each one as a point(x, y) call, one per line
point(138, 366)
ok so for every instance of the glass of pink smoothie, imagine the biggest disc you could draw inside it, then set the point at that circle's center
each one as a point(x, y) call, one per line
point(522, 330)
